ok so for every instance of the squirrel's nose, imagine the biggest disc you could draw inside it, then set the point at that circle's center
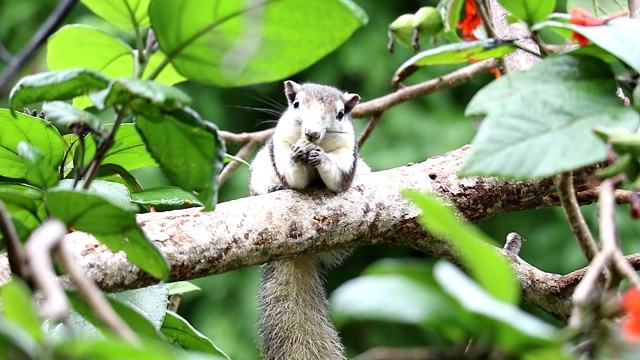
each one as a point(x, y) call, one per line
point(311, 135)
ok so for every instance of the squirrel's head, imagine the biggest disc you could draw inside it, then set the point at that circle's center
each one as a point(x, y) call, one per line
point(318, 110)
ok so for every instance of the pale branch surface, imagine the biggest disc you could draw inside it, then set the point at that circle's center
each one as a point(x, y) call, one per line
point(252, 231)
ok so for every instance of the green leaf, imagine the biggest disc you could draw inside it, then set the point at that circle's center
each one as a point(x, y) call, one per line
point(539, 122)
point(110, 349)
point(150, 301)
point(127, 14)
point(486, 265)
point(64, 116)
point(142, 96)
point(128, 150)
point(98, 50)
point(25, 205)
point(514, 330)
point(181, 287)
point(18, 306)
point(56, 85)
point(188, 150)
point(178, 330)
point(599, 8)
point(89, 322)
point(165, 195)
point(37, 171)
point(111, 224)
point(32, 130)
point(392, 298)
point(610, 37)
point(452, 10)
point(16, 343)
point(233, 45)
point(118, 174)
point(115, 193)
point(529, 11)
point(456, 53)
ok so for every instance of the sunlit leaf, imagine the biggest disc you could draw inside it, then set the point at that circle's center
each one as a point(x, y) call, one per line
point(234, 43)
point(529, 11)
point(37, 171)
point(489, 268)
point(178, 330)
point(127, 14)
point(540, 122)
point(19, 307)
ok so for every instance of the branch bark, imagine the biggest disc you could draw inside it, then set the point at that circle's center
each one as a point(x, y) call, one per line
point(260, 229)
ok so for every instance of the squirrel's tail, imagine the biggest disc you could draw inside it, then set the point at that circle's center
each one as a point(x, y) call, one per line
point(294, 323)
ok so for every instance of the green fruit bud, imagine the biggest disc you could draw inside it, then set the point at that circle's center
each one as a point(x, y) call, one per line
point(428, 22)
point(401, 30)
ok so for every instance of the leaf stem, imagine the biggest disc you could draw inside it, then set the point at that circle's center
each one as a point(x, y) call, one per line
point(102, 149)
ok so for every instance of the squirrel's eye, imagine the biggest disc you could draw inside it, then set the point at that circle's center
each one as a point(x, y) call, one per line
point(296, 104)
point(340, 114)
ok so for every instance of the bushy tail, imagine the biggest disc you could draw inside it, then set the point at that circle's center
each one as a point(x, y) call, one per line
point(295, 322)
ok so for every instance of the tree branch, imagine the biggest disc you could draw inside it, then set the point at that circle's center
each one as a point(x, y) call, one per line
point(252, 231)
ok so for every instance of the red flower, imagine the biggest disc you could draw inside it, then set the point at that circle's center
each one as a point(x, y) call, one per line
point(584, 18)
point(471, 20)
point(631, 325)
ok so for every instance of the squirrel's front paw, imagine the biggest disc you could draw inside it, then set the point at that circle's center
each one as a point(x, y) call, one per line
point(315, 156)
point(300, 151)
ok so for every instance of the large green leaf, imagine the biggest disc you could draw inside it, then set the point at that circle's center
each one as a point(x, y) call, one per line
point(98, 50)
point(530, 11)
point(25, 205)
point(188, 150)
point(488, 267)
point(137, 321)
point(32, 130)
point(110, 223)
point(610, 37)
point(456, 53)
point(508, 326)
point(64, 116)
point(19, 307)
point(37, 171)
point(56, 85)
point(125, 14)
point(110, 349)
point(178, 330)
point(128, 150)
point(540, 122)
point(233, 43)
point(142, 96)
point(599, 8)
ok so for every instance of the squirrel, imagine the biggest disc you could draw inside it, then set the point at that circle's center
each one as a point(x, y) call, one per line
point(313, 143)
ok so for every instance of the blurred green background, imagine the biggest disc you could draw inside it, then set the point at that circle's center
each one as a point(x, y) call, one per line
point(226, 308)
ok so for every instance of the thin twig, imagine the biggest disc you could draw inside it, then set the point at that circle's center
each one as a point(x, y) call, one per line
point(38, 251)
point(608, 233)
point(174, 302)
point(369, 129)
point(15, 252)
point(5, 55)
point(621, 196)
point(94, 297)
point(243, 138)
point(49, 26)
point(566, 193)
point(634, 9)
point(455, 78)
point(231, 167)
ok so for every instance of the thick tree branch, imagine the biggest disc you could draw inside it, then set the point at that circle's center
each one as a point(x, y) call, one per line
point(260, 229)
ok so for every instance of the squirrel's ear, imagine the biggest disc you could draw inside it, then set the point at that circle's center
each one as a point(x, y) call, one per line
point(291, 89)
point(350, 101)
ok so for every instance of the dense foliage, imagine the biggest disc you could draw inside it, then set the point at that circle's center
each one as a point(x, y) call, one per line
point(111, 120)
